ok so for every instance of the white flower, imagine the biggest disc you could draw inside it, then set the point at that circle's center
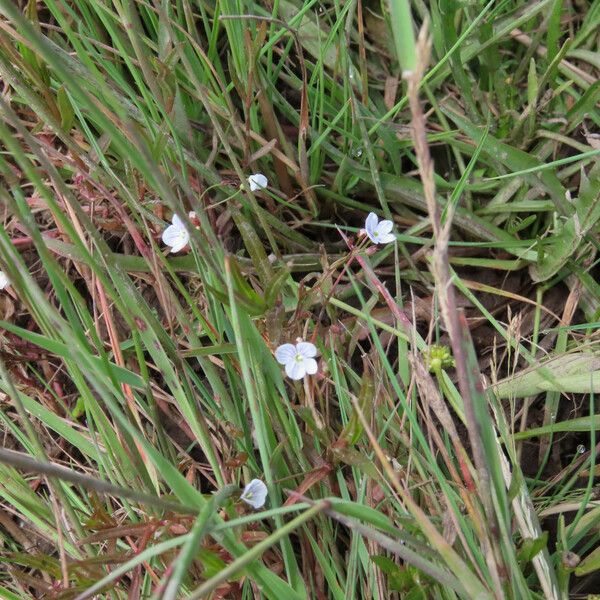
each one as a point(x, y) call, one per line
point(379, 233)
point(255, 493)
point(299, 360)
point(258, 182)
point(4, 281)
point(176, 235)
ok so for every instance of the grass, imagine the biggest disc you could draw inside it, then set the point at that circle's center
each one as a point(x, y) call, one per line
point(446, 448)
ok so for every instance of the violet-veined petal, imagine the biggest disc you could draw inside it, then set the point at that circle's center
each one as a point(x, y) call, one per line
point(258, 182)
point(182, 242)
point(306, 349)
point(311, 366)
point(176, 237)
point(387, 238)
point(255, 493)
point(176, 220)
point(371, 223)
point(285, 353)
point(385, 227)
point(170, 235)
point(295, 369)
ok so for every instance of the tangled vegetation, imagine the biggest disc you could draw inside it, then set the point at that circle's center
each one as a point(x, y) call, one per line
point(299, 299)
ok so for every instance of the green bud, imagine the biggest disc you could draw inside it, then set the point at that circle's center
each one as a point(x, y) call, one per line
point(439, 358)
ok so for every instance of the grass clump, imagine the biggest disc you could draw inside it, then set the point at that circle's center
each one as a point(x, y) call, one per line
point(445, 447)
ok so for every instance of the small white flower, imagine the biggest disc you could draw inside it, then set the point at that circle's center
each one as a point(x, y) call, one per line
point(258, 182)
point(255, 493)
point(4, 281)
point(299, 360)
point(379, 233)
point(176, 235)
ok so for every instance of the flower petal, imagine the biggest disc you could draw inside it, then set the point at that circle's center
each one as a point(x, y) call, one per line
point(371, 224)
point(285, 353)
point(182, 242)
point(387, 238)
point(311, 366)
point(170, 234)
point(385, 227)
point(258, 182)
point(255, 493)
point(306, 349)
point(176, 237)
point(4, 281)
point(176, 220)
point(295, 369)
